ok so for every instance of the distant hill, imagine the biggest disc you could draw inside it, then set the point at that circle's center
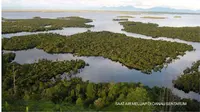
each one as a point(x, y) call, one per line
point(154, 9)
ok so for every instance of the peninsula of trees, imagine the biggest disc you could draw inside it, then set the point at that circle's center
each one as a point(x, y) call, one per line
point(140, 54)
point(42, 24)
point(190, 80)
point(151, 29)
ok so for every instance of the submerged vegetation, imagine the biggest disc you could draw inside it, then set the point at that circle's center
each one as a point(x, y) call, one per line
point(150, 29)
point(177, 16)
point(140, 54)
point(39, 24)
point(151, 17)
point(125, 17)
point(39, 87)
point(190, 80)
point(120, 19)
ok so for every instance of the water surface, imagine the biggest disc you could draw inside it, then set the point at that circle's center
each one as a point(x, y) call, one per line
point(105, 70)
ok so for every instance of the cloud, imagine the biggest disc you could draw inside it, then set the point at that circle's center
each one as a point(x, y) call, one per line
point(84, 4)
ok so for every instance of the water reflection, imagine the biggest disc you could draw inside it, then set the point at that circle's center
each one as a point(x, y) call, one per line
point(64, 31)
point(105, 70)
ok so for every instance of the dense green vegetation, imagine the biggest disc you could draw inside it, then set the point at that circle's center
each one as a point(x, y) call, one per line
point(141, 54)
point(151, 17)
point(190, 80)
point(8, 57)
point(120, 19)
point(38, 87)
point(150, 29)
point(42, 24)
point(28, 77)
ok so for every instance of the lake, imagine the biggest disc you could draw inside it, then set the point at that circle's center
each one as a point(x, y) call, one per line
point(105, 70)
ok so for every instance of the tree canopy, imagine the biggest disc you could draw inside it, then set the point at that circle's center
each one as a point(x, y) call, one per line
point(39, 87)
point(42, 24)
point(190, 80)
point(151, 29)
point(140, 54)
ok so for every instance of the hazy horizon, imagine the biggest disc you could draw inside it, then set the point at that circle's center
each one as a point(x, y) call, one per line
point(192, 5)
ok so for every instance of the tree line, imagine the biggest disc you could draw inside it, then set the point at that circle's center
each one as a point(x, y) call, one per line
point(151, 29)
point(42, 24)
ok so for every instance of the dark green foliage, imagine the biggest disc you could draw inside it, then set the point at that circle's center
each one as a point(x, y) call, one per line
point(190, 80)
point(42, 24)
point(63, 96)
point(150, 29)
point(141, 54)
point(8, 57)
point(31, 41)
point(23, 80)
point(37, 91)
point(90, 91)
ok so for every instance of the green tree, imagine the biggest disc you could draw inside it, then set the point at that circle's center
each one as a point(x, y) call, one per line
point(78, 89)
point(139, 95)
point(90, 91)
point(79, 102)
point(99, 103)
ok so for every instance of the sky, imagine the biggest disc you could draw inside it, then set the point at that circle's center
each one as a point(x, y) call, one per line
point(96, 4)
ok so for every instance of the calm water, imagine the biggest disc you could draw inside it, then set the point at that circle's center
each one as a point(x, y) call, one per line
point(105, 70)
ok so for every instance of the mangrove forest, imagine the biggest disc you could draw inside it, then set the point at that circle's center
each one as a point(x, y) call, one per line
point(42, 24)
point(190, 79)
point(40, 87)
point(140, 54)
point(151, 29)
